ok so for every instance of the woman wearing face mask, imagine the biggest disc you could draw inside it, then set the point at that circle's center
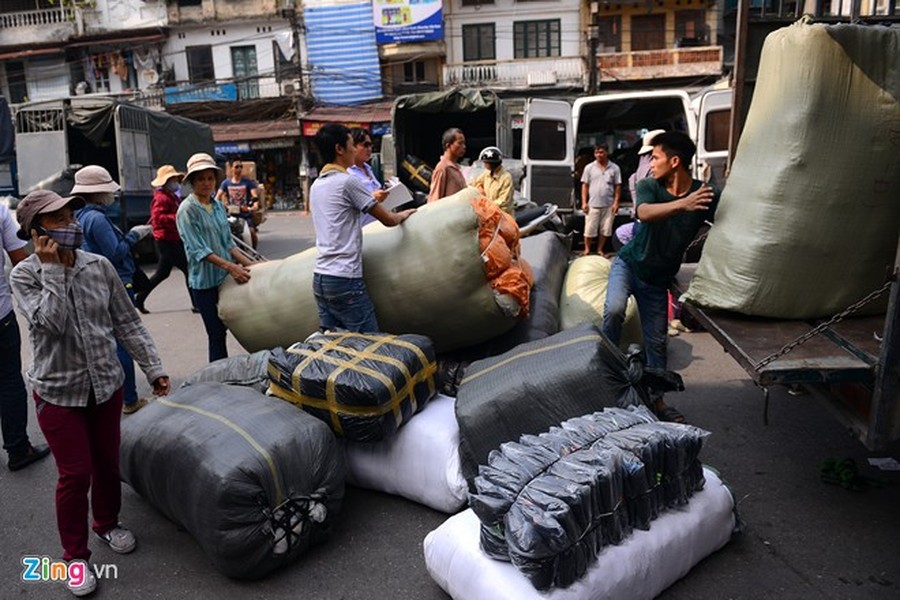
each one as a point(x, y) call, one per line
point(77, 309)
point(163, 208)
point(101, 236)
point(211, 251)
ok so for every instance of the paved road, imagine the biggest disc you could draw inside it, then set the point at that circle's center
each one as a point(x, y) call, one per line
point(802, 538)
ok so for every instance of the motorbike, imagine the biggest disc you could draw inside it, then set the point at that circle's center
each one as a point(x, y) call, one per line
point(536, 218)
point(237, 222)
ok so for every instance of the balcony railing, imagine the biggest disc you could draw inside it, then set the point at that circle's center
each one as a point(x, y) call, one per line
point(520, 73)
point(37, 18)
point(224, 90)
point(654, 64)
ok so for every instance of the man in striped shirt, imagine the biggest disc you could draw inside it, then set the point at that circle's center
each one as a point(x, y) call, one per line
point(77, 308)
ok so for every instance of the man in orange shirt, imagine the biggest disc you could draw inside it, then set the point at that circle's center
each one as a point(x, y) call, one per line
point(447, 178)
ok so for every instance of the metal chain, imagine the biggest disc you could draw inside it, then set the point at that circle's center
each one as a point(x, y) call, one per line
point(853, 308)
point(698, 240)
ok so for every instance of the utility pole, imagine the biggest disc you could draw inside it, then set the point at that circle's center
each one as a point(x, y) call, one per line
point(738, 81)
point(593, 43)
point(289, 12)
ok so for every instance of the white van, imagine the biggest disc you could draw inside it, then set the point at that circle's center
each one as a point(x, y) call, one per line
point(559, 137)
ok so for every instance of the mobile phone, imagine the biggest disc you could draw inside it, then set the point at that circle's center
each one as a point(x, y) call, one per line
point(40, 230)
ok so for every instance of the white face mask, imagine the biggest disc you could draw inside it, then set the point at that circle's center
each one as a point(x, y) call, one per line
point(103, 198)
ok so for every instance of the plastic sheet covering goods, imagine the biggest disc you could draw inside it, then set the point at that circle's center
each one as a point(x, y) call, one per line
point(550, 503)
point(364, 386)
point(255, 481)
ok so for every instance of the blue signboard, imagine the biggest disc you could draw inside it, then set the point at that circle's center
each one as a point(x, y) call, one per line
point(407, 21)
point(233, 148)
point(226, 92)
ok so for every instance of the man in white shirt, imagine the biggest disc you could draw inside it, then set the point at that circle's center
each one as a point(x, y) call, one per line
point(338, 200)
point(601, 189)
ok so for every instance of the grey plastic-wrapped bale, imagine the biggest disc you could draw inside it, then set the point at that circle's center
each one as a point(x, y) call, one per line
point(254, 480)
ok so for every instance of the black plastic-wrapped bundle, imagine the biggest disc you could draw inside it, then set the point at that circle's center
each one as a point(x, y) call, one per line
point(541, 384)
point(364, 386)
point(253, 480)
point(248, 370)
point(551, 502)
point(516, 465)
point(670, 453)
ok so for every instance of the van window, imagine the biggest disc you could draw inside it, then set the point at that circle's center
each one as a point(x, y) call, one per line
point(718, 122)
point(547, 139)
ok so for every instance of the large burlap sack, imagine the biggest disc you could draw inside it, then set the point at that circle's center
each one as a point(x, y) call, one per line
point(426, 276)
point(809, 219)
point(584, 295)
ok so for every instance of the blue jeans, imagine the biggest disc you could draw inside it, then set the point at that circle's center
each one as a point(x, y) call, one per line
point(344, 303)
point(130, 386)
point(13, 398)
point(207, 302)
point(652, 303)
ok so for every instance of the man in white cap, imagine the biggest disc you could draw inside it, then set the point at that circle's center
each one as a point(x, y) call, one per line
point(77, 309)
point(643, 168)
point(101, 236)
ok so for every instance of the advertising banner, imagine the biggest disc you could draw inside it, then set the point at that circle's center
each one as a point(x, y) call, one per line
point(407, 21)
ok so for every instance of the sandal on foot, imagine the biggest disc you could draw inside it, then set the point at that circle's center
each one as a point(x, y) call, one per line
point(670, 414)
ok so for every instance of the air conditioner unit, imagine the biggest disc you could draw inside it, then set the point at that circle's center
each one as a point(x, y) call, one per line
point(290, 87)
point(540, 78)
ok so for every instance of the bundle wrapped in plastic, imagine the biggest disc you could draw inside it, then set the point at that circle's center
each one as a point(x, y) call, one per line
point(583, 298)
point(248, 370)
point(364, 386)
point(451, 272)
point(253, 480)
point(538, 385)
point(550, 503)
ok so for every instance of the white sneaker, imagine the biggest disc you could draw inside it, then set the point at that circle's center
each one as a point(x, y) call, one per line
point(119, 539)
point(88, 583)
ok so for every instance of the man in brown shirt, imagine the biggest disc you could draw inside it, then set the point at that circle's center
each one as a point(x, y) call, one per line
point(447, 178)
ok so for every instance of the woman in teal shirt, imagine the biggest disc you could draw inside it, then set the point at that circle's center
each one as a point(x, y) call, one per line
point(211, 251)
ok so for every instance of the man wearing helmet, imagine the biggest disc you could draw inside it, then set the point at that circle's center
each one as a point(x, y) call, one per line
point(495, 182)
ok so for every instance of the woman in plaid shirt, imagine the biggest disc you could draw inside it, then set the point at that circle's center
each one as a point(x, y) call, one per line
point(77, 308)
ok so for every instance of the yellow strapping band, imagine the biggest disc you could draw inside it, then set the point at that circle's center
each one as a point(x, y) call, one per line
point(240, 431)
point(330, 403)
point(593, 337)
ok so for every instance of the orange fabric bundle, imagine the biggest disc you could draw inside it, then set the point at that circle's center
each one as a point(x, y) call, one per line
point(498, 238)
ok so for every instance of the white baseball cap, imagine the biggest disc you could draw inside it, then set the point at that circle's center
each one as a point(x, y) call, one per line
point(648, 138)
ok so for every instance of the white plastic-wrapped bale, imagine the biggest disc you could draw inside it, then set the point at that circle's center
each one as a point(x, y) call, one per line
point(640, 568)
point(420, 463)
point(584, 295)
point(426, 276)
point(807, 223)
point(254, 480)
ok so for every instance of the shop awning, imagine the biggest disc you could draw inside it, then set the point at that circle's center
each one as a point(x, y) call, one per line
point(362, 115)
point(254, 130)
point(18, 54)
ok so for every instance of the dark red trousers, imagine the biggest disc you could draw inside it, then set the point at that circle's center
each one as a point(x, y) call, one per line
point(85, 444)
